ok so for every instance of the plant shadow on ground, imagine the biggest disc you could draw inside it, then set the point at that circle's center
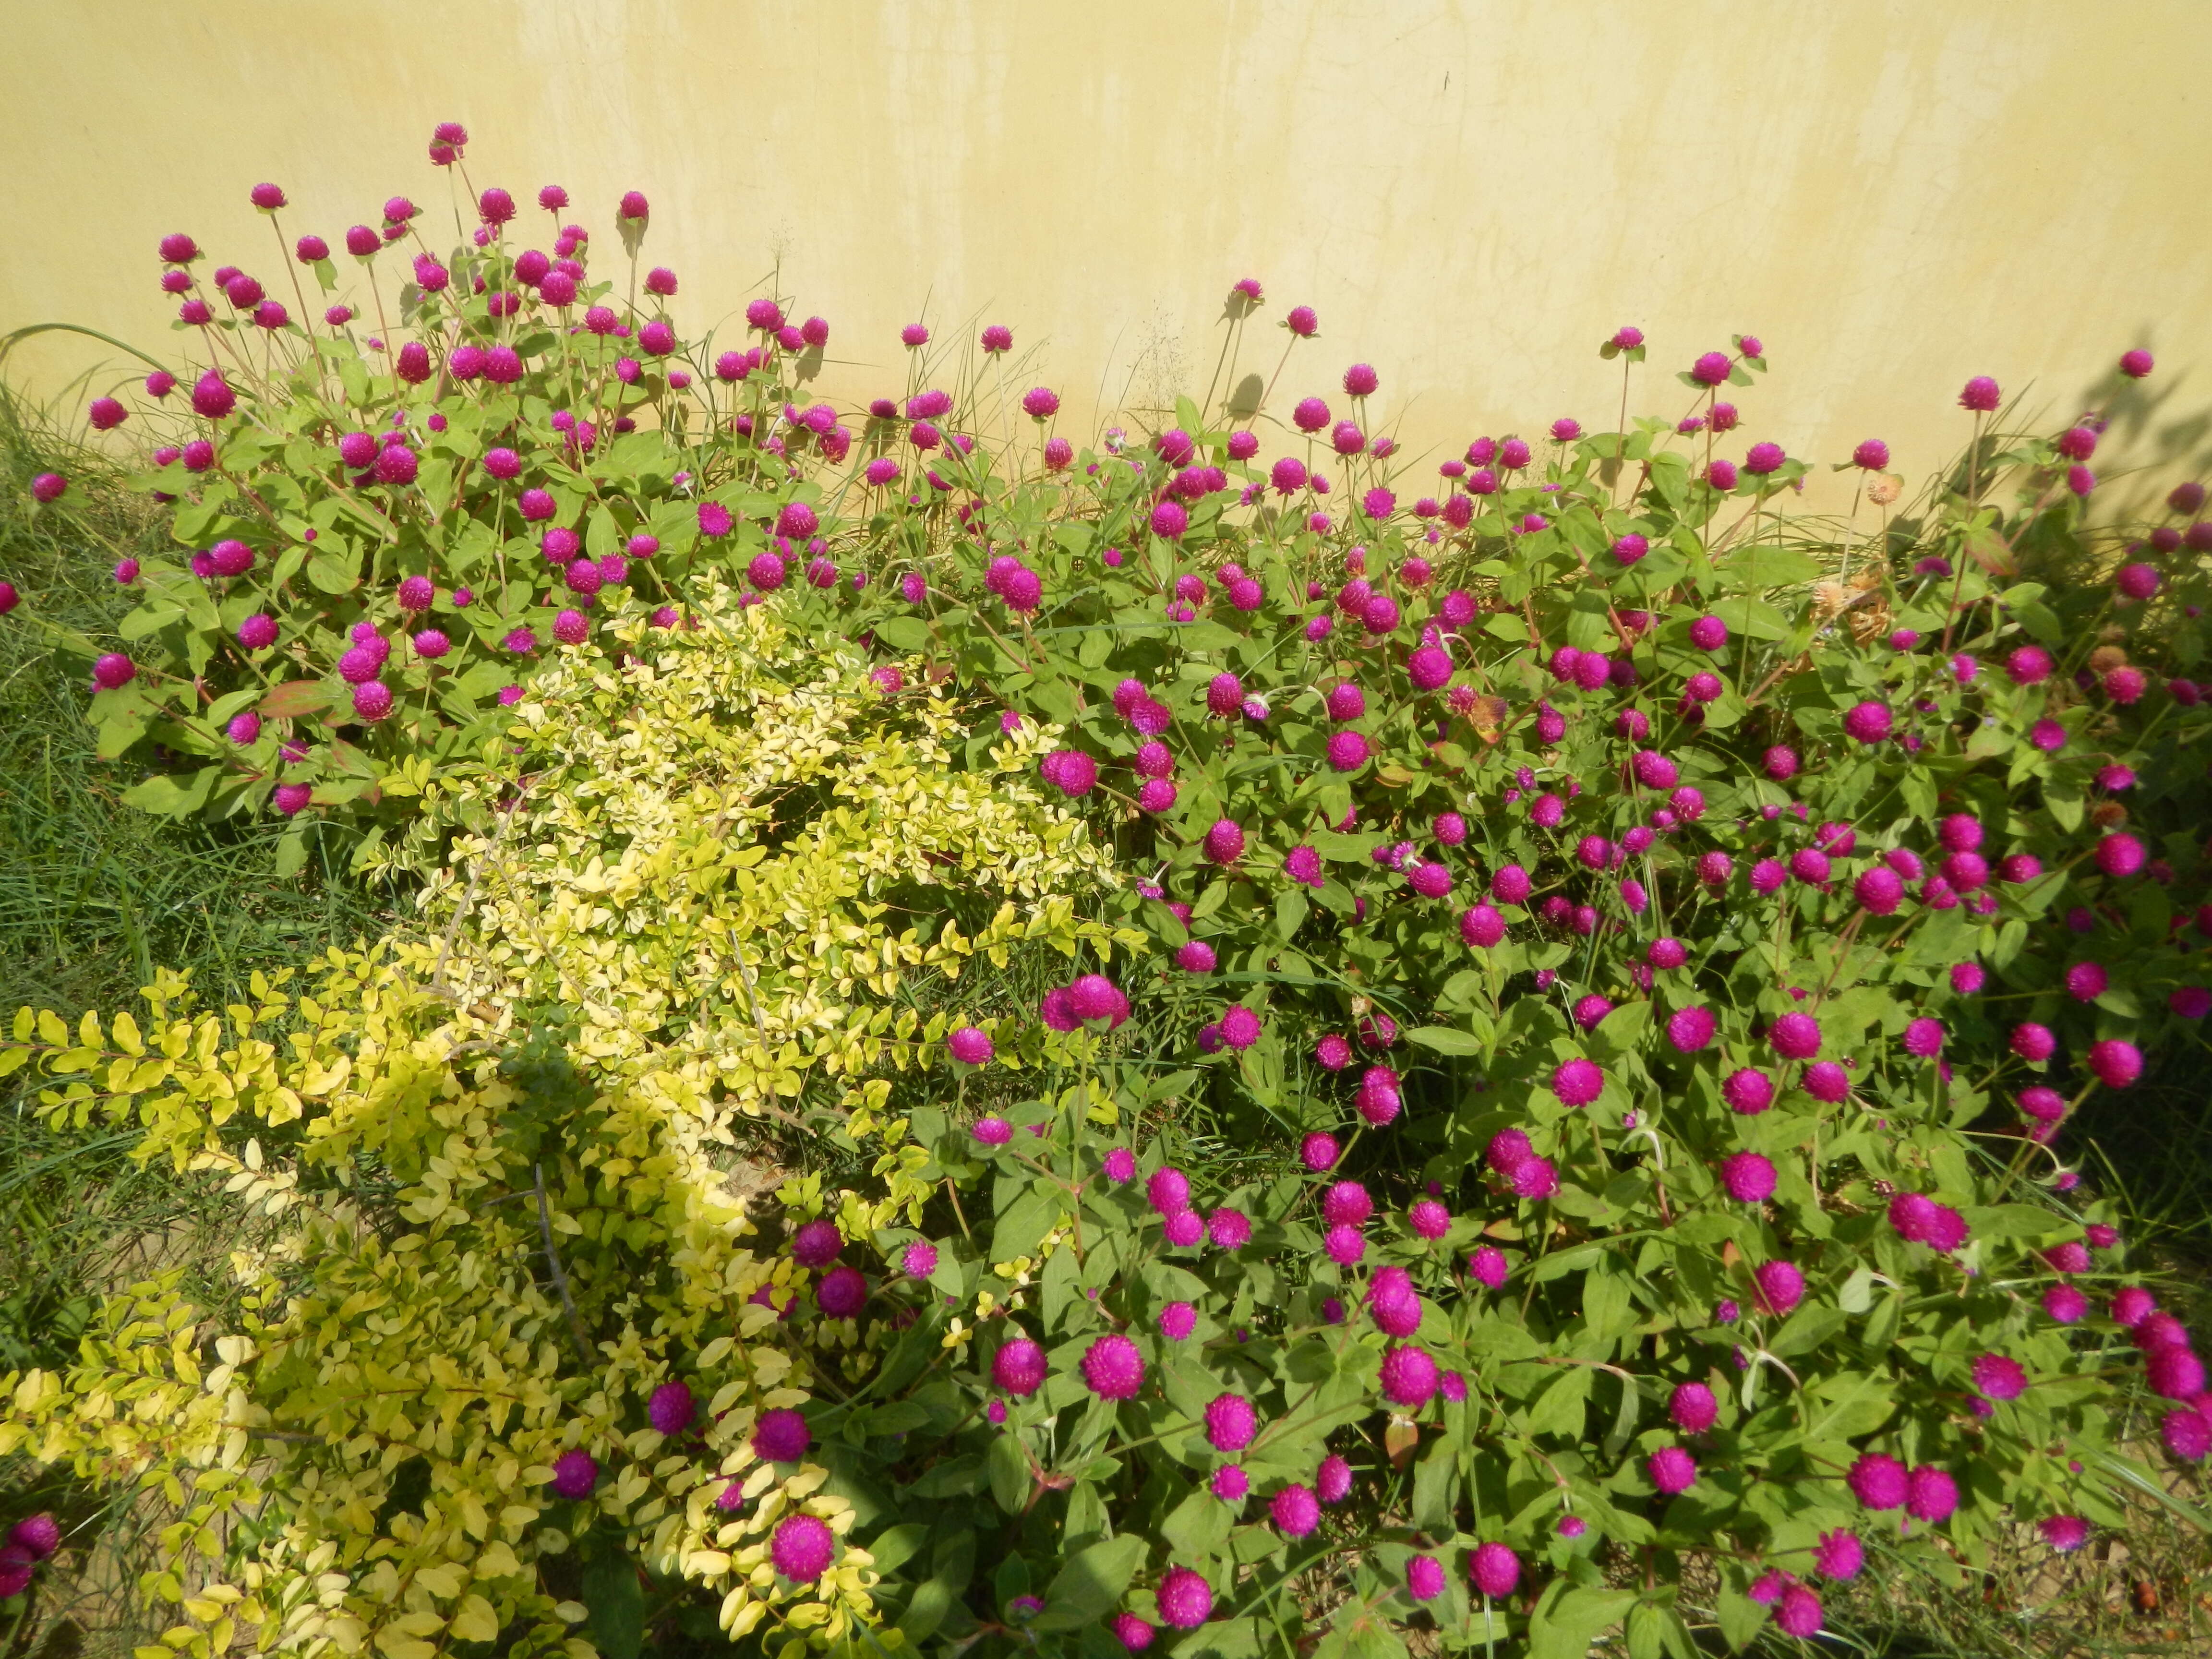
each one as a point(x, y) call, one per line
point(94, 895)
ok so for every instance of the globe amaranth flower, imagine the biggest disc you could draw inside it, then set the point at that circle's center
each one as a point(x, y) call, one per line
point(1231, 1424)
point(1998, 1378)
point(1672, 1470)
point(1018, 1367)
point(1113, 1368)
point(1579, 1082)
point(1748, 1177)
point(1132, 1632)
point(1493, 1570)
point(1868, 722)
point(1409, 1376)
point(970, 1046)
point(1186, 1601)
point(1692, 1028)
point(1979, 395)
point(1879, 1482)
point(1781, 1286)
point(574, 1474)
point(1295, 1511)
point(803, 1546)
point(670, 1408)
point(782, 1436)
point(1930, 1494)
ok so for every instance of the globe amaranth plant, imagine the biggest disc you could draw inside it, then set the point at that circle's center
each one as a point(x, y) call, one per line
point(513, 1359)
point(1648, 968)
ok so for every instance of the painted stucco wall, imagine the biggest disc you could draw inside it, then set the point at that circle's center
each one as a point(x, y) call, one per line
point(1473, 195)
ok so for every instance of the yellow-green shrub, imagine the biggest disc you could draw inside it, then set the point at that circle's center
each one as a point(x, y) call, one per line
point(678, 910)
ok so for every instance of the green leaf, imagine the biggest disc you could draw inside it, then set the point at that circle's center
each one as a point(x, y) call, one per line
point(1446, 1041)
point(122, 729)
point(292, 850)
point(1768, 567)
point(2012, 1220)
point(149, 618)
point(334, 573)
point(1436, 1480)
point(1010, 1471)
point(1657, 1632)
point(1090, 1582)
point(1807, 1329)
point(1559, 1410)
point(1062, 1283)
point(1846, 1405)
point(1745, 615)
point(1025, 1224)
point(1567, 1620)
point(903, 633)
point(164, 795)
point(616, 1601)
point(1741, 1619)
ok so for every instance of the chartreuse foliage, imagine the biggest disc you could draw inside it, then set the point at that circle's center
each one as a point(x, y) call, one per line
point(480, 1214)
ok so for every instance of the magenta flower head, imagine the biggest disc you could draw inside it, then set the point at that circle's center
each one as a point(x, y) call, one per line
point(1693, 1407)
point(1493, 1570)
point(1692, 1028)
point(672, 1408)
point(1409, 1376)
point(1018, 1367)
point(1231, 1423)
point(1224, 842)
point(1113, 1368)
point(1672, 1470)
point(1763, 459)
point(970, 1046)
point(1429, 667)
point(1930, 1494)
point(1295, 1511)
point(1749, 1091)
point(914, 336)
point(1040, 403)
point(2116, 1063)
point(1796, 1036)
point(1185, 1598)
point(1980, 395)
point(113, 669)
point(1319, 1151)
point(1924, 1038)
point(574, 1474)
point(782, 1436)
point(1998, 1378)
point(1360, 381)
point(1879, 1482)
point(1748, 1177)
point(1781, 1286)
point(1579, 1082)
point(994, 1130)
point(1868, 722)
point(2064, 1532)
point(1871, 456)
point(1711, 369)
point(1132, 1632)
point(803, 1546)
point(1798, 1612)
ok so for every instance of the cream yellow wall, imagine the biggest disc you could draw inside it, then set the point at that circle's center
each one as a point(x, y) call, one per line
point(1473, 195)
